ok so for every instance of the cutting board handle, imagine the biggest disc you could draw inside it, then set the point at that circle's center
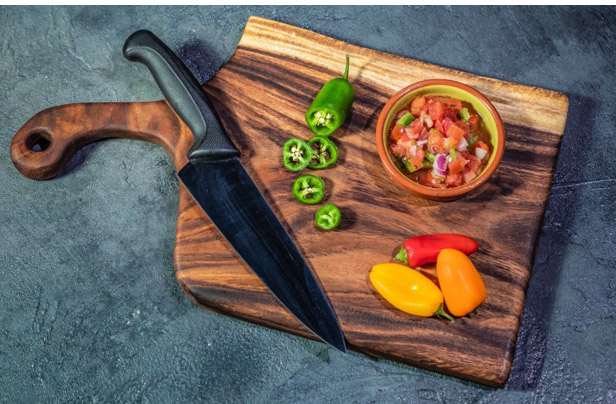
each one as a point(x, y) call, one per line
point(46, 143)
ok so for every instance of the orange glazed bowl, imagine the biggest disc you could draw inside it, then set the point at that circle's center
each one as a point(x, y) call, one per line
point(491, 120)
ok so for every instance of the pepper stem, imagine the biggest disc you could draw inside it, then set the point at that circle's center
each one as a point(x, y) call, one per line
point(346, 70)
point(441, 312)
point(402, 256)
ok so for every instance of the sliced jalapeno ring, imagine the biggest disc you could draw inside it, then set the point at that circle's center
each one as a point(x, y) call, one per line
point(309, 189)
point(296, 154)
point(324, 152)
point(328, 217)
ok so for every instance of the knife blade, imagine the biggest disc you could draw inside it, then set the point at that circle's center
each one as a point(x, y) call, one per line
point(218, 182)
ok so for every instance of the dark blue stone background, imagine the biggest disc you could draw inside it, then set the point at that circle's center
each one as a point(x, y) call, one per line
point(90, 310)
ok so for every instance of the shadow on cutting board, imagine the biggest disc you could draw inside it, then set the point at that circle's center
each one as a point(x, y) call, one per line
point(549, 254)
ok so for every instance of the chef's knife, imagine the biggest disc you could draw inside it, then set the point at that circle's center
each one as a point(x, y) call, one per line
point(215, 178)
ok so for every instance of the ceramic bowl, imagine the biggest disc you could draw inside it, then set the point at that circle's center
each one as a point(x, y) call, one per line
point(450, 88)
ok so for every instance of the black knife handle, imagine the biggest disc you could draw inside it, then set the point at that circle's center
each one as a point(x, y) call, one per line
point(184, 93)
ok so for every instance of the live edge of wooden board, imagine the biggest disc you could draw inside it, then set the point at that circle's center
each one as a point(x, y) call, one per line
point(261, 94)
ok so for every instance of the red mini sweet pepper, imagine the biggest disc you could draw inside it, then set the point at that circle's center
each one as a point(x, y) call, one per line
point(420, 250)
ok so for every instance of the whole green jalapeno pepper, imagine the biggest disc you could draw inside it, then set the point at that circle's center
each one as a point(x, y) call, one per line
point(330, 107)
point(324, 152)
point(309, 189)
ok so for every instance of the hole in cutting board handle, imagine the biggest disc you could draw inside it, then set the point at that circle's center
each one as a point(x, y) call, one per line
point(38, 141)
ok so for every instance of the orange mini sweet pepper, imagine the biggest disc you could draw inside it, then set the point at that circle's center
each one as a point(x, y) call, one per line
point(408, 290)
point(462, 286)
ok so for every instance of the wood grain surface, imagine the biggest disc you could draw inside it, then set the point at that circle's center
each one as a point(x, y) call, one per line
point(261, 95)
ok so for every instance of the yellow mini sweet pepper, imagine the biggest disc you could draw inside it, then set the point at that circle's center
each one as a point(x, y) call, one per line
point(408, 290)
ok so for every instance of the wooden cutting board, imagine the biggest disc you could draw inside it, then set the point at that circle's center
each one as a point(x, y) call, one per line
point(261, 95)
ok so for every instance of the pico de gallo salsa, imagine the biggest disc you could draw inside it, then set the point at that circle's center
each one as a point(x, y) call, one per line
point(440, 142)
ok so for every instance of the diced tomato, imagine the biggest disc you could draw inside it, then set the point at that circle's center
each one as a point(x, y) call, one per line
point(399, 149)
point(474, 164)
point(446, 124)
point(451, 114)
point(436, 182)
point(436, 110)
point(429, 180)
point(417, 104)
point(416, 128)
point(420, 154)
point(396, 133)
point(452, 142)
point(464, 126)
point(457, 165)
point(455, 131)
point(473, 122)
point(438, 125)
point(454, 104)
point(436, 142)
point(417, 161)
point(423, 179)
point(451, 103)
point(468, 175)
point(403, 148)
point(453, 180)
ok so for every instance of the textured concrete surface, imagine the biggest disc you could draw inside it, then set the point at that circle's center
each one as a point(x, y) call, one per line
point(89, 307)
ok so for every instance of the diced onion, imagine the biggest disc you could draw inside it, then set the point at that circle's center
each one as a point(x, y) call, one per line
point(439, 167)
point(420, 143)
point(425, 119)
point(409, 133)
point(438, 173)
point(441, 161)
point(480, 153)
point(463, 145)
